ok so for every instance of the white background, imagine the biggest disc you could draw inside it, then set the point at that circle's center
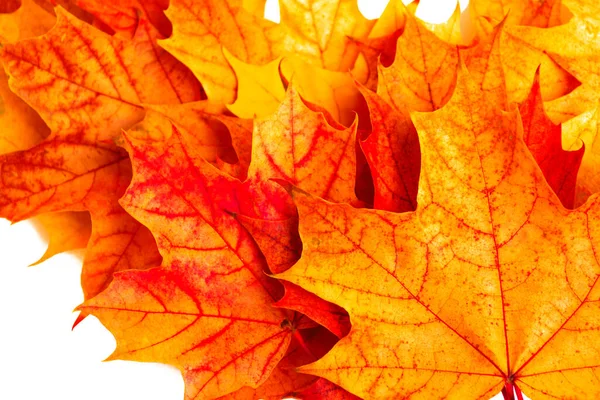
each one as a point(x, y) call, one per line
point(40, 356)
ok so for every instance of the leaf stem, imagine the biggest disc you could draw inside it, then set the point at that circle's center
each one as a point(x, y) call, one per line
point(508, 391)
point(518, 391)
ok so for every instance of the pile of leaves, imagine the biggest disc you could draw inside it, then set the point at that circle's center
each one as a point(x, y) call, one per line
point(328, 207)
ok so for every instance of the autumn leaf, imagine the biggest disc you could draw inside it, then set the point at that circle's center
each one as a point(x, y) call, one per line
point(296, 142)
point(392, 151)
point(233, 39)
point(257, 218)
point(211, 288)
point(484, 62)
point(213, 135)
point(421, 79)
point(520, 57)
point(319, 32)
point(333, 91)
point(544, 139)
point(329, 315)
point(489, 282)
point(22, 128)
point(78, 167)
point(585, 129)
point(308, 148)
point(89, 89)
point(574, 47)
point(202, 28)
point(260, 89)
point(64, 231)
point(380, 46)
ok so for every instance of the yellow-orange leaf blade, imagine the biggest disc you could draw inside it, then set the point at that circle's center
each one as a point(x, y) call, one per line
point(471, 289)
point(202, 28)
point(543, 14)
point(332, 90)
point(177, 316)
point(423, 74)
point(260, 89)
point(65, 231)
point(585, 129)
point(16, 24)
point(319, 31)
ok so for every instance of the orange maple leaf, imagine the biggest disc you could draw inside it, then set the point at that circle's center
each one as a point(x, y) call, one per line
point(421, 79)
point(489, 282)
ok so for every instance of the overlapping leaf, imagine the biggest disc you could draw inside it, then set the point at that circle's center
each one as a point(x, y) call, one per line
point(476, 288)
point(423, 74)
point(574, 46)
point(487, 281)
point(78, 167)
point(211, 289)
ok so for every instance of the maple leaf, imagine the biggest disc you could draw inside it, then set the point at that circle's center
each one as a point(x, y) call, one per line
point(78, 167)
point(319, 31)
point(308, 148)
point(207, 34)
point(296, 142)
point(392, 151)
point(380, 46)
point(323, 389)
point(471, 274)
point(489, 282)
point(214, 136)
point(90, 90)
point(484, 61)
point(544, 139)
point(421, 80)
point(574, 46)
point(519, 58)
point(329, 315)
point(210, 289)
point(202, 28)
point(585, 128)
point(21, 126)
point(260, 89)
